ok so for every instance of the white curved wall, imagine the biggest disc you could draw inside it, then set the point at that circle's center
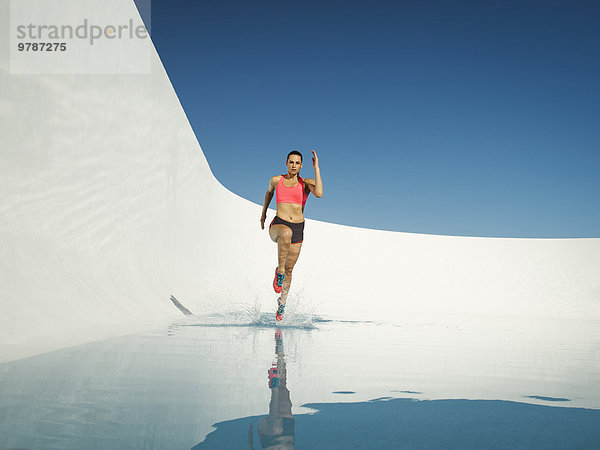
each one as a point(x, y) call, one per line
point(108, 206)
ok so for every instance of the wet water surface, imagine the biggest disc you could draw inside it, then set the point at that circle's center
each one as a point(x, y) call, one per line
point(242, 382)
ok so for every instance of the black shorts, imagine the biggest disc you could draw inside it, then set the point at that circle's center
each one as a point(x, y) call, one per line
point(297, 228)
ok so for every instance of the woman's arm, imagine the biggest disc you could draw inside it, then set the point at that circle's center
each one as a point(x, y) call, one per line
point(268, 197)
point(316, 185)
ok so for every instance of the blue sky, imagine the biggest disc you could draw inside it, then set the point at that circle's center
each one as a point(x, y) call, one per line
point(465, 118)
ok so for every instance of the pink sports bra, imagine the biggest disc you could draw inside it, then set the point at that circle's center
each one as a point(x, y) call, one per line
point(295, 194)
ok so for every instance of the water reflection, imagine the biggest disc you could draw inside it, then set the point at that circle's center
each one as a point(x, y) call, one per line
point(468, 386)
point(277, 429)
point(273, 431)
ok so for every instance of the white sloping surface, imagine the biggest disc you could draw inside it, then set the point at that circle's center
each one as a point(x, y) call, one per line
point(108, 206)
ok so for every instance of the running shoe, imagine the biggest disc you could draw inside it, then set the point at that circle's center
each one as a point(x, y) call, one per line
point(280, 310)
point(278, 281)
point(273, 376)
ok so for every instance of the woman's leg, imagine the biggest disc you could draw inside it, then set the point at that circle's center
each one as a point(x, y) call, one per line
point(282, 235)
point(290, 261)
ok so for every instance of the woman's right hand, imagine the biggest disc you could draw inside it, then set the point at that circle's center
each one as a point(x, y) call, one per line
point(263, 217)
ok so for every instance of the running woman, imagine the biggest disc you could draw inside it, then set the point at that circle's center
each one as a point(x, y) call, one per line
point(287, 228)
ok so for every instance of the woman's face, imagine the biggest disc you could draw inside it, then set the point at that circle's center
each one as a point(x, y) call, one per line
point(294, 164)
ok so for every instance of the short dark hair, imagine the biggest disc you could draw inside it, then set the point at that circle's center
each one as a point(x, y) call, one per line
point(294, 152)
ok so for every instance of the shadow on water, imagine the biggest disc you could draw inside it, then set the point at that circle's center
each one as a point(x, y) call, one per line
point(427, 424)
point(548, 399)
point(388, 422)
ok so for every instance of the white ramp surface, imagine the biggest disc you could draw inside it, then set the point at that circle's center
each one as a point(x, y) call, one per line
point(108, 207)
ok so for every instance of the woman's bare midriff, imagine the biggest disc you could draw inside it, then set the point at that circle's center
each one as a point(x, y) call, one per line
point(290, 212)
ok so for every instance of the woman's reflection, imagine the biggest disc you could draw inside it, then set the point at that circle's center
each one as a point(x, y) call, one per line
point(276, 431)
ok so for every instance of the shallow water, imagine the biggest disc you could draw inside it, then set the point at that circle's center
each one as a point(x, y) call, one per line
point(204, 381)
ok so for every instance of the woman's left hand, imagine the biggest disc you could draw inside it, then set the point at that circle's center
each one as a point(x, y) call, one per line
point(315, 160)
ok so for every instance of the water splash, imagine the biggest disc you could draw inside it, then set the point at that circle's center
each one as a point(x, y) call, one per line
point(247, 315)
